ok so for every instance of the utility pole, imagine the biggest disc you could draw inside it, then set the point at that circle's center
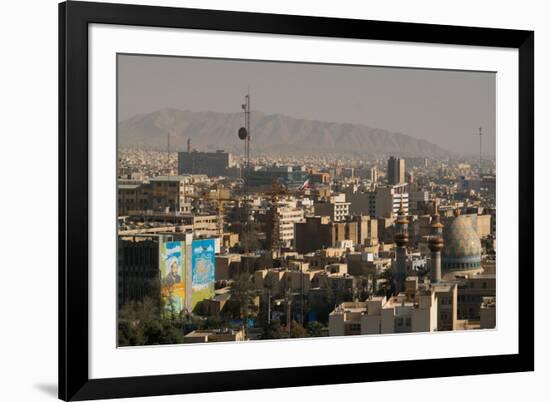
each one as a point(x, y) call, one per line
point(480, 160)
point(289, 310)
point(168, 153)
point(268, 306)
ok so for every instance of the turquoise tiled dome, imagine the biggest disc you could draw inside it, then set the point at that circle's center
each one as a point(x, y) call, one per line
point(462, 248)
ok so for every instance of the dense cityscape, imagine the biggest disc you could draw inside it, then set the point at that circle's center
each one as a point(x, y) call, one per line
point(219, 246)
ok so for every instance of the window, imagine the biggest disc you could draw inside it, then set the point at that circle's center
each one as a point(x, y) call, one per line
point(355, 327)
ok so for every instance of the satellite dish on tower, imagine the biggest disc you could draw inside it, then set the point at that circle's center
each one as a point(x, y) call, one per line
point(243, 133)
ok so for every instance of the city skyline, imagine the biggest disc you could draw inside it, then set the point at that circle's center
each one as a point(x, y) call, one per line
point(315, 229)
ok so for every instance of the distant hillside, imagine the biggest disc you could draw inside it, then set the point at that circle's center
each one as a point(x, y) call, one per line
point(270, 133)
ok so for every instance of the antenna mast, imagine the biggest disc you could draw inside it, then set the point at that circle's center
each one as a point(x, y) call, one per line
point(480, 160)
point(244, 134)
point(246, 108)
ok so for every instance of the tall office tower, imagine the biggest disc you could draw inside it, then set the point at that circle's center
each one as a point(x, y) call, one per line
point(435, 245)
point(396, 170)
point(373, 174)
point(401, 240)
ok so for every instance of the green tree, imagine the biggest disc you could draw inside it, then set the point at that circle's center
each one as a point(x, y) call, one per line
point(274, 330)
point(141, 323)
point(147, 310)
point(387, 288)
point(314, 328)
point(270, 286)
point(129, 334)
point(161, 332)
point(297, 330)
point(212, 322)
point(243, 293)
point(362, 287)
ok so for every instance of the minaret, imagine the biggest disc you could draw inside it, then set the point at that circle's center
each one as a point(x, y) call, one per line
point(401, 240)
point(435, 245)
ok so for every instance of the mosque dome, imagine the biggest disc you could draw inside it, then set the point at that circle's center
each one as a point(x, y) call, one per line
point(462, 248)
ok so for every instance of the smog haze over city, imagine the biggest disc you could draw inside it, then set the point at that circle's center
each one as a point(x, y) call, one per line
point(442, 107)
point(273, 200)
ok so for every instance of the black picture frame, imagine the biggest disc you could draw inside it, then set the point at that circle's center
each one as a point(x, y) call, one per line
point(74, 18)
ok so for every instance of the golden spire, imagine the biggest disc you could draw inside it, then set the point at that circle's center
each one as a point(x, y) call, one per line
point(401, 216)
point(435, 240)
point(436, 222)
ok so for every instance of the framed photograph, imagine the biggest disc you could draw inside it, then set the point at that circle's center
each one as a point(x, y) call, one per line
point(259, 201)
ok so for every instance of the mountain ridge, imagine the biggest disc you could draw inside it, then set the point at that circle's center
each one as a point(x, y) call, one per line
point(210, 131)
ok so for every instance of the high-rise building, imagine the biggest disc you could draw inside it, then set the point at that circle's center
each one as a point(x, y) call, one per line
point(319, 232)
point(382, 202)
point(209, 163)
point(287, 176)
point(396, 170)
point(337, 210)
point(282, 224)
point(373, 176)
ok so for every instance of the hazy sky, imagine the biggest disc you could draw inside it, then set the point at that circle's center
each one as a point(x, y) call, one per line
point(444, 107)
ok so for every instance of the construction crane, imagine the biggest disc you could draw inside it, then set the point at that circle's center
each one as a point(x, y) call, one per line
point(220, 201)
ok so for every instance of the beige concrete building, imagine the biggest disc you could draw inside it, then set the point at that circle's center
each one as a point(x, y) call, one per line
point(319, 177)
point(229, 240)
point(284, 220)
point(420, 308)
point(361, 264)
point(205, 225)
point(271, 279)
point(319, 232)
point(337, 210)
point(471, 294)
point(346, 319)
point(305, 280)
point(298, 281)
point(487, 313)
point(367, 230)
point(227, 265)
point(222, 335)
point(160, 194)
point(382, 202)
point(127, 198)
point(168, 193)
point(215, 306)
